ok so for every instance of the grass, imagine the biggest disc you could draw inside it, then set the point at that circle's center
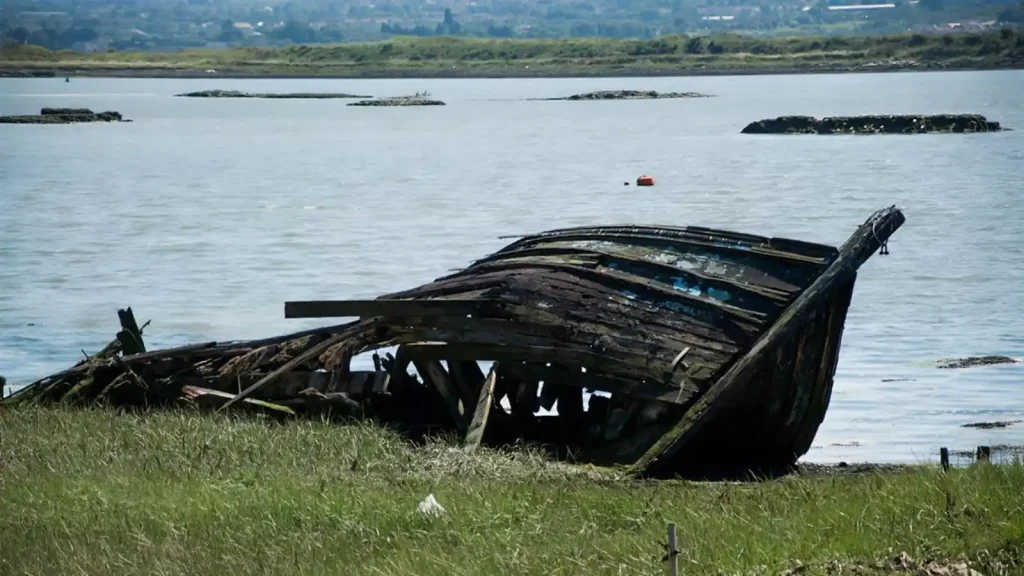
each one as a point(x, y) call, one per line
point(99, 492)
point(468, 57)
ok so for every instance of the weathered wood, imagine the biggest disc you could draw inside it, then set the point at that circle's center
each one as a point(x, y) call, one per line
point(683, 242)
point(525, 401)
point(214, 398)
point(557, 375)
point(944, 458)
point(130, 335)
point(291, 365)
point(868, 238)
point(468, 378)
point(827, 370)
point(434, 373)
point(570, 405)
point(627, 367)
point(984, 453)
point(484, 405)
point(374, 308)
point(169, 352)
point(635, 283)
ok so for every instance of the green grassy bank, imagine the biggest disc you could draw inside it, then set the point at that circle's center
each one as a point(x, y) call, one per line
point(95, 492)
point(472, 57)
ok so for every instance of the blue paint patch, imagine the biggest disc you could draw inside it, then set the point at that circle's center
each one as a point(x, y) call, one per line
point(682, 286)
point(720, 295)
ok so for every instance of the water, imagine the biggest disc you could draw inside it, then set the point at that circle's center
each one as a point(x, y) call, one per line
point(206, 215)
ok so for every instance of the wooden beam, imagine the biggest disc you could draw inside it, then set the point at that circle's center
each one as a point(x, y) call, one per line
point(375, 308)
point(484, 405)
point(434, 373)
point(868, 238)
point(468, 378)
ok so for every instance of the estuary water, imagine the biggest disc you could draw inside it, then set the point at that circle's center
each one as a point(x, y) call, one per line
point(206, 215)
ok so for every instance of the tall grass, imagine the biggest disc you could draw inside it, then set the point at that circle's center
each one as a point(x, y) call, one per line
point(97, 492)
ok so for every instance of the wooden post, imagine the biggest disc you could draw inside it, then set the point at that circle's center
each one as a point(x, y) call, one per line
point(673, 551)
point(868, 238)
point(944, 458)
point(984, 453)
point(130, 335)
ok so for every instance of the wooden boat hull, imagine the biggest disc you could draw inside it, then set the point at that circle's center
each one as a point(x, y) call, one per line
point(703, 352)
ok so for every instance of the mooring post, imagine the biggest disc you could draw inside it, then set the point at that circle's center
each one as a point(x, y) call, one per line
point(673, 551)
point(984, 453)
point(944, 458)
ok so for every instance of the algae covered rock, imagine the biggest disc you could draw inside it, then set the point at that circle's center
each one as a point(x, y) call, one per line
point(414, 100)
point(64, 116)
point(629, 95)
point(289, 95)
point(878, 124)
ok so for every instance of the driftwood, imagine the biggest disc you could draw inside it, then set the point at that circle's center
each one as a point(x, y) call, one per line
point(669, 350)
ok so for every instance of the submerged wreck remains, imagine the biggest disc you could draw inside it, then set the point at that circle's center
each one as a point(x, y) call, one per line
point(704, 352)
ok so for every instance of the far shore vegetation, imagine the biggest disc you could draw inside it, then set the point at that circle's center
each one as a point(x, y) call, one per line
point(473, 57)
point(94, 491)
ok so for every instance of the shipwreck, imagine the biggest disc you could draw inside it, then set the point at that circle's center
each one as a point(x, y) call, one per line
point(667, 350)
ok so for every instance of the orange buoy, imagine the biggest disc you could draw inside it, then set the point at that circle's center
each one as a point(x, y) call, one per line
point(645, 181)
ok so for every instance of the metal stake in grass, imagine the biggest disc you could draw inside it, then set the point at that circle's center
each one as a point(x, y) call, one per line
point(673, 551)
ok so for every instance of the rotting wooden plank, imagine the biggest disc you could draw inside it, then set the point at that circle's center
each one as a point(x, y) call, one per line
point(292, 364)
point(533, 287)
point(610, 277)
point(170, 352)
point(827, 369)
point(721, 282)
point(629, 336)
point(660, 391)
point(647, 359)
point(811, 346)
point(868, 238)
point(572, 290)
point(788, 258)
point(432, 371)
point(217, 397)
point(374, 308)
point(484, 405)
point(744, 269)
point(285, 386)
point(536, 354)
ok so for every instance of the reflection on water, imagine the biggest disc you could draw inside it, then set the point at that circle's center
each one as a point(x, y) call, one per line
point(206, 215)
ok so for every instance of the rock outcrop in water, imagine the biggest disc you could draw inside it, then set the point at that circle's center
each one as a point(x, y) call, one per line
point(886, 124)
point(629, 95)
point(976, 361)
point(64, 116)
point(239, 94)
point(415, 100)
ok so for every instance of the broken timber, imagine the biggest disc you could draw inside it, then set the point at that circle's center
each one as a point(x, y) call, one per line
point(674, 350)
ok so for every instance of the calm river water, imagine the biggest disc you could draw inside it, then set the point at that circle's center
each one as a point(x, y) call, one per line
point(206, 215)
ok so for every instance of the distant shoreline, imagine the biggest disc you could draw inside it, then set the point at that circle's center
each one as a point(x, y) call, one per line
point(59, 70)
point(459, 57)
